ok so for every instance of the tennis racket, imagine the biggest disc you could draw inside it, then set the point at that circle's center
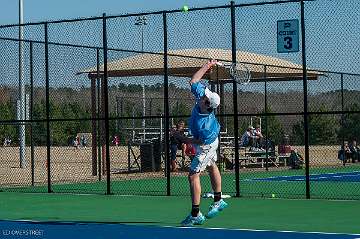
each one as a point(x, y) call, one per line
point(238, 72)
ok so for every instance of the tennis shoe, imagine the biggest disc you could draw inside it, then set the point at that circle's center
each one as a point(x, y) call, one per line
point(191, 221)
point(215, 208)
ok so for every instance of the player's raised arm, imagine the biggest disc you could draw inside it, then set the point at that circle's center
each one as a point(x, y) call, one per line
point(201, 72)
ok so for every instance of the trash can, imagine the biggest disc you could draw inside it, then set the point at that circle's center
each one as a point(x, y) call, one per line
point(157, 149)
point(150, 155)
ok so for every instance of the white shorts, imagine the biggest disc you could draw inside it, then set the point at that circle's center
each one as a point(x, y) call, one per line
point(206, 155)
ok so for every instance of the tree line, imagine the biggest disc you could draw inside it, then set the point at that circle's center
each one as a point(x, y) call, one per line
point(65, 112)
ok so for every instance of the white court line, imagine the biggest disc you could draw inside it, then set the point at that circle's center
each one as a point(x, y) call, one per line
point(261, 230)
point(312, 176)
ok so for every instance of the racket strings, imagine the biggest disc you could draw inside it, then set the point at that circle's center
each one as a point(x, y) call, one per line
point(240, 73)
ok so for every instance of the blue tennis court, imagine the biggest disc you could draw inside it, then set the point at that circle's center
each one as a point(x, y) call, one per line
point(343, 177)
point(60, 230)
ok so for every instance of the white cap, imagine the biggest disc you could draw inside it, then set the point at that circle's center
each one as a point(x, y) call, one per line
point(213, 97)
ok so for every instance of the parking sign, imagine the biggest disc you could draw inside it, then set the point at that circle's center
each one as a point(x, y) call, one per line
point(288, 36)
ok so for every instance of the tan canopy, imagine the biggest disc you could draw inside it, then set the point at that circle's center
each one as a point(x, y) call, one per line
point(185, 62)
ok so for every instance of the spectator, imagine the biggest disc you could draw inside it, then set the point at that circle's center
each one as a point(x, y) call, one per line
point(7, 141)
point(249, 138)
point(355, 151)
point(269, 145)
point(245, 140)
point(177, 142)
point(344, 153)
point(83, 141)
point(296, 160)
point(77, 142)
point(70, 141)
point(258, 137)
point(116, 140)
point(284, 147)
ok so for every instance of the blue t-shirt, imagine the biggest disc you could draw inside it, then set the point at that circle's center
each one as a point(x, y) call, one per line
point(202, 126)
point(245, 139)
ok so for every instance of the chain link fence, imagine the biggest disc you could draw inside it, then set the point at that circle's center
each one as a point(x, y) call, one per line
point(87, 105)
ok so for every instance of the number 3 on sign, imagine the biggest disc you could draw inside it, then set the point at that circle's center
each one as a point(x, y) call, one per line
point(288, 43)
point(288, 36)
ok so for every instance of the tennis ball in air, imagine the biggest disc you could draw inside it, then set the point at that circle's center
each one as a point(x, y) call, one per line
point(185, 8)
point(273, 195)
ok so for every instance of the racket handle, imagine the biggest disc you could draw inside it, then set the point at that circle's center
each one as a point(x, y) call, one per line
point(219, 64)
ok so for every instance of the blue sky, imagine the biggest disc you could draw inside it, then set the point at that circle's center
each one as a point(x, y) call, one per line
point(333, 32)
point(332, 25)
point(40, 10)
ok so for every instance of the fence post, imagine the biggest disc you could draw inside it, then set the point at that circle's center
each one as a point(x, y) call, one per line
point(106, 107)
point(235, 102)
point(342, 112)
point(266, 121)
point(32, 114)
point(93, 123)
point(98, 113)
point(47, 105)
point(306, 114)
point(166, 107)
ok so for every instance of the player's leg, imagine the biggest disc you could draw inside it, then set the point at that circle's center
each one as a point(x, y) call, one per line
point(197, 166)
point(215, 177)
point(219, 204)
point(195, 217)
point(195, 187)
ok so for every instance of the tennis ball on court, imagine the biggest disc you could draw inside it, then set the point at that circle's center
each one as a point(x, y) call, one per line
point(273, 195)
point(185, 8)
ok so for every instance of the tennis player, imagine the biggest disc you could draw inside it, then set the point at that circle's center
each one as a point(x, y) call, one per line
point(205, 129)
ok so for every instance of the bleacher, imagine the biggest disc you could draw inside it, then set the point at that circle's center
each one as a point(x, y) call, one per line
point(249, 157)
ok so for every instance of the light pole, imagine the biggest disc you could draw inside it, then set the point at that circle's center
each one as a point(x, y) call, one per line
point(21, 104)
point(142, 21)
